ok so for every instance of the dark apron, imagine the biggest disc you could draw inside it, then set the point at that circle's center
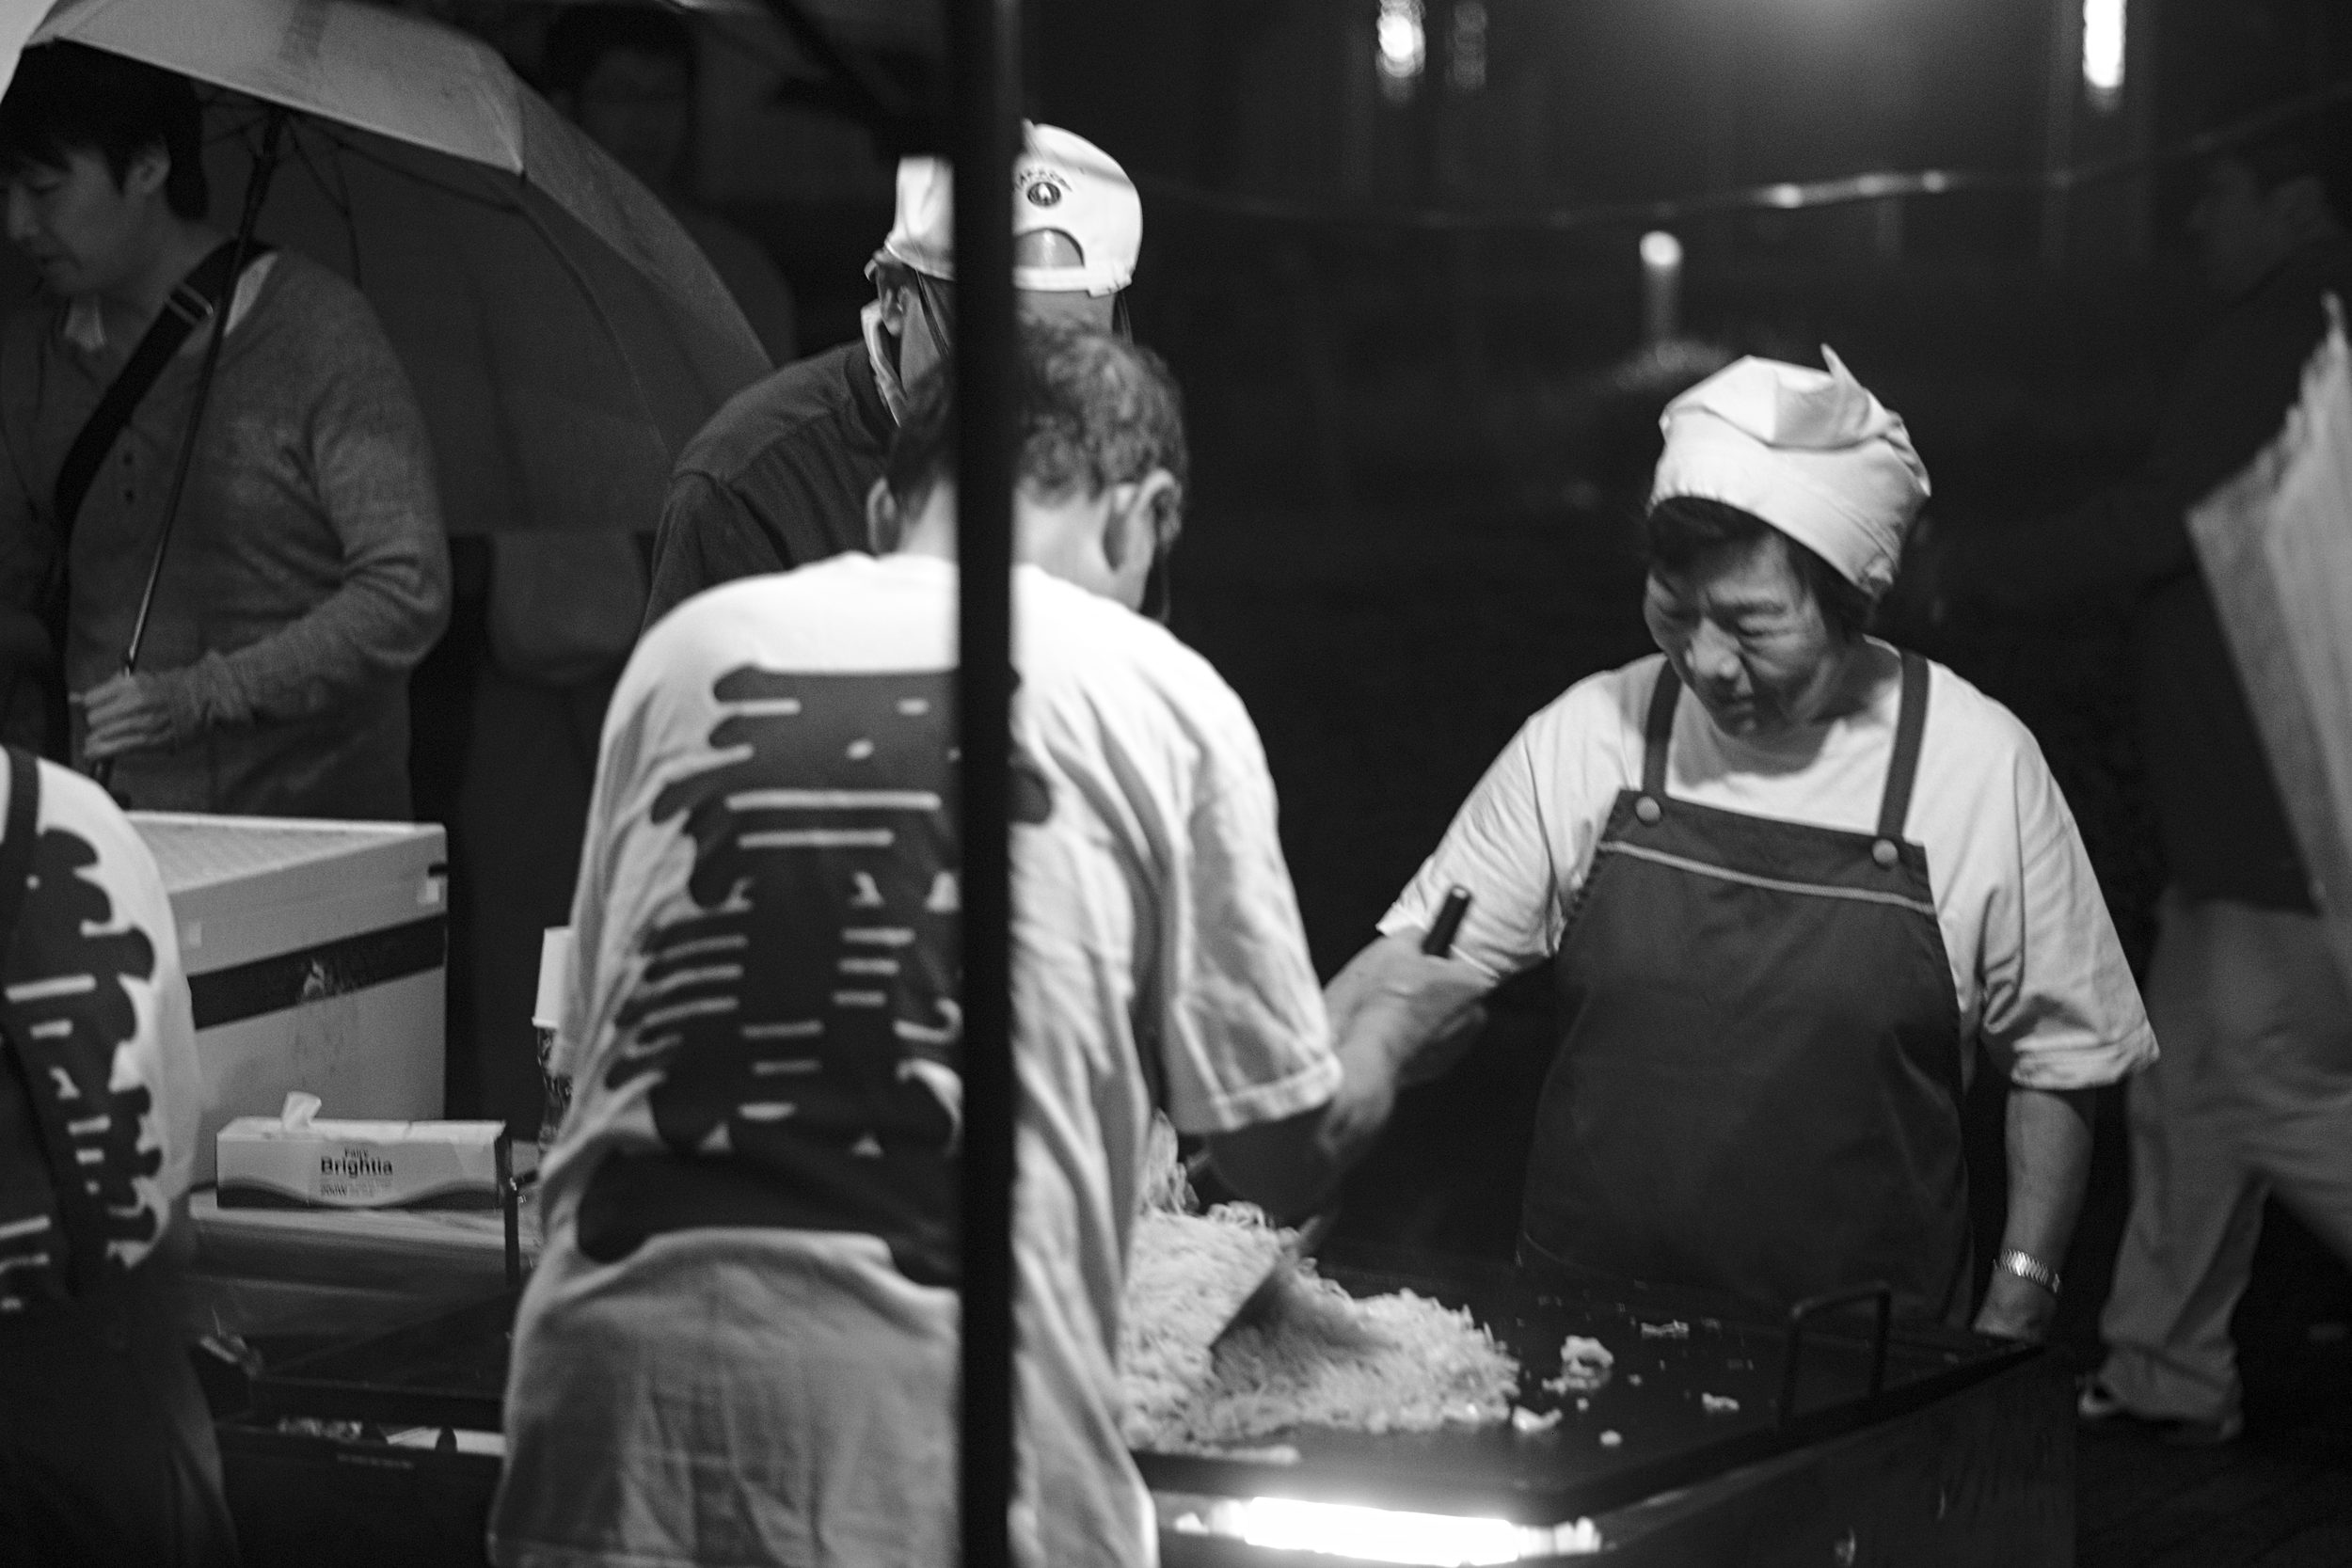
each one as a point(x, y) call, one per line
point(1758, 1083)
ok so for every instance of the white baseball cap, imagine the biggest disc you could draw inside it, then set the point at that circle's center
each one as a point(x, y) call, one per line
point(1061, 184)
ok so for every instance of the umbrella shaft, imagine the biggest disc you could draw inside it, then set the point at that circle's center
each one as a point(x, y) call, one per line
point(256, 193)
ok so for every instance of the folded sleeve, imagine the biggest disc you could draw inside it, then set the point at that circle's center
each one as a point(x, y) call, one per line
point(1245, 1038)
point(1523, 840)
point(2060, 1009)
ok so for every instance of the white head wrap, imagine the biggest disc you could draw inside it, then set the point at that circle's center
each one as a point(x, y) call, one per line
point(1810, 451)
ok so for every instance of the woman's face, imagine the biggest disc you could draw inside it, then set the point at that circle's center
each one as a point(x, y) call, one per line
point(1748, 638)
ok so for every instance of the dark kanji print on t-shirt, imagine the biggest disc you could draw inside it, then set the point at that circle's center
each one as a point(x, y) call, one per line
point(69, 1014)
point(804, 1019)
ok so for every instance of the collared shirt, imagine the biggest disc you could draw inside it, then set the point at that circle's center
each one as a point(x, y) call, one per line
point(776, 479)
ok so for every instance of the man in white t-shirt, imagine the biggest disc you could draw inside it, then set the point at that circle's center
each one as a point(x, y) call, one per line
point(741, 1344)
point(1784, 912)
point(107, 1449)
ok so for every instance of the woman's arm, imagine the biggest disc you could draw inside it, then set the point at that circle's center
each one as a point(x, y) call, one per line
point(2049, 1166)
point(1398, 1018)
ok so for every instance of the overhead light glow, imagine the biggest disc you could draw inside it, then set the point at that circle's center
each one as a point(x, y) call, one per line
point(1467, 56)
point(1403, 45)
point(2103, 52)
point(1661, 251)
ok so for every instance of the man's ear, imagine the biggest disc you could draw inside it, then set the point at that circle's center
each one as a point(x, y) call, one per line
point(885, 528)
point(1143, 516)
point(147, 171)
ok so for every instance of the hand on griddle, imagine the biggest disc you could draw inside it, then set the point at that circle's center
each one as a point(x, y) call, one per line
point(126, 713)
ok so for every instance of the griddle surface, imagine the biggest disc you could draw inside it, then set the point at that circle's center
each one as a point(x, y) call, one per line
point(1664, 1437)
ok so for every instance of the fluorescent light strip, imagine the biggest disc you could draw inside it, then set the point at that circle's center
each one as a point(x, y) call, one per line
point(1392, 1535)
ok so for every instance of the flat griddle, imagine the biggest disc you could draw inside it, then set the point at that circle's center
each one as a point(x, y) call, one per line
point(451, 1372)
point(1664, 1435)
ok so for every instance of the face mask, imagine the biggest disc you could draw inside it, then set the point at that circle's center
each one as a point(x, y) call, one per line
point(893, 393)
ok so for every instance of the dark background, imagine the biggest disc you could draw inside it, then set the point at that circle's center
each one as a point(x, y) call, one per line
point(1423, 415)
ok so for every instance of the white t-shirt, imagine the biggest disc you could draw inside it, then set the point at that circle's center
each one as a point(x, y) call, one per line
point(1158, 959)
point(2034, 961)
point(97, 998)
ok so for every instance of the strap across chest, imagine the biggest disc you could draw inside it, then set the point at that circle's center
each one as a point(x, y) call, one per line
point(1902, 769)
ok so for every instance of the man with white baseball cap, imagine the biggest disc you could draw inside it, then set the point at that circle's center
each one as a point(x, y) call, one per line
point(779, 477)
point(1785, 914)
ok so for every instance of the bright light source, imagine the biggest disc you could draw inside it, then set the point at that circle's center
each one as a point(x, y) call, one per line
point(1402, 47)
point(1383, 1535)
point(2103, 52)
point(1378, 1534)
point(1662, 287)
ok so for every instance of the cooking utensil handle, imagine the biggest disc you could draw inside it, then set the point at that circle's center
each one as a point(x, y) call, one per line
point(1439, 942)
point(510, 1200)
point(1879, 1293)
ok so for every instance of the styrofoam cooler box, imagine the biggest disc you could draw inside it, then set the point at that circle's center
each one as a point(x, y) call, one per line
point(316, 959)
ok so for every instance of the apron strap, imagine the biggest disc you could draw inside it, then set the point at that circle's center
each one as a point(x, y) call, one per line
point(1911, 724)
point(1659, 729)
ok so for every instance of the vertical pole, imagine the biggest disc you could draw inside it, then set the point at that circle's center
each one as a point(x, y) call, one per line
point(984, 44)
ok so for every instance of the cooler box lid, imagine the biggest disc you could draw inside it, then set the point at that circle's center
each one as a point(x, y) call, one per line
point(250, 887)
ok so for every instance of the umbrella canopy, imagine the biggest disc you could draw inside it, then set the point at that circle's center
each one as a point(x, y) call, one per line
point(563, 333)
point(18, 17)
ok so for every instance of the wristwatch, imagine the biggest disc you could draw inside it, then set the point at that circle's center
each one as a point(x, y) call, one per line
point(2026, 1266)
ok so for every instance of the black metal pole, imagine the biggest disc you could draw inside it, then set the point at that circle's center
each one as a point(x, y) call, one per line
point(984, 44)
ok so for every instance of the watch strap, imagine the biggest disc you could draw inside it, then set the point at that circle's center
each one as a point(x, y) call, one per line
point(2026, 1266)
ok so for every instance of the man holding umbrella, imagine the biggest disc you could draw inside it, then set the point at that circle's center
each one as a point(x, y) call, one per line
point(779, 478)
point(306, 571)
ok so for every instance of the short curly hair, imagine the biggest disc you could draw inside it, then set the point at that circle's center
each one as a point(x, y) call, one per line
point(1093, 409)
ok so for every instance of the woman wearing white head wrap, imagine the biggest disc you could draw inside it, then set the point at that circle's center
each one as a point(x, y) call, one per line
point(1783, 914)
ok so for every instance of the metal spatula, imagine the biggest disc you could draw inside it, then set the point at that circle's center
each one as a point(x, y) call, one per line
point(1268, 1292)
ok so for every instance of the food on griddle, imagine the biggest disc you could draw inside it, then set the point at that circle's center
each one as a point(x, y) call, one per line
point(1719, 1404)
point(1392, 1363)
point(1308, 1354)
point(1584, 1365)
point(1186, 1273)
point(1528, 1421)
point(1675, 1329)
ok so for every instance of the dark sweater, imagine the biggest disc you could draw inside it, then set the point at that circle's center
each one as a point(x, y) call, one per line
point(307, 572)
point(2218, 808)
point(776, 479)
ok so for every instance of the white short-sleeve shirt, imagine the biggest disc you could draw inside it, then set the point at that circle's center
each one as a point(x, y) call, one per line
point(2040, 975)
point(98, 999)
point(1158, 959)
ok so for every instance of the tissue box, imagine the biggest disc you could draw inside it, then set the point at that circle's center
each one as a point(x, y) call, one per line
point(272, 1163)
point(315, 957)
